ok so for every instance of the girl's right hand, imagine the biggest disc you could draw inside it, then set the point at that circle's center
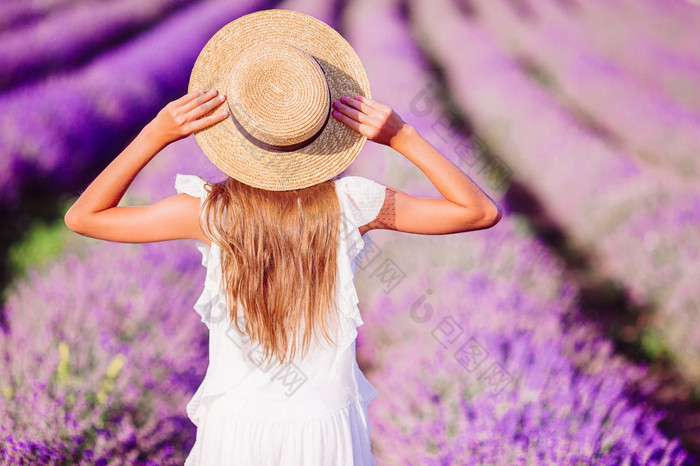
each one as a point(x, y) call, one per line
point(182, 117)
point(370, 118)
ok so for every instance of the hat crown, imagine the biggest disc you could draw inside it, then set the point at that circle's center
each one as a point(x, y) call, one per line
point(278, 93)
point(280, 164)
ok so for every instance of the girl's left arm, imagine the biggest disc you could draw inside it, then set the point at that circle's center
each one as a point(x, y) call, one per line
point(95, 213)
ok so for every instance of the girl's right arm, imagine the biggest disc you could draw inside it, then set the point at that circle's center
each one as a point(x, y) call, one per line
point(465, 206)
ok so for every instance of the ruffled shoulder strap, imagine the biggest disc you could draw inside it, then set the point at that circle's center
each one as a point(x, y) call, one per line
point(360, 200)
point(209, 305)
point(194, 186)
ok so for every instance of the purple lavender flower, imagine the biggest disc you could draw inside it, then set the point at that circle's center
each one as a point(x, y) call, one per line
point(632, 221)
point(72, 36)
point(657, 129)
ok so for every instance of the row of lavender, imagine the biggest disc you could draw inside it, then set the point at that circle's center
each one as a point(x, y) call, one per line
point(473, 358)
point(639, 114)
point(640, 227)
point(73, 36)
point(99, 372)
point(107, 361)
point(480, 375)
point(99, 366)
point(14, 15)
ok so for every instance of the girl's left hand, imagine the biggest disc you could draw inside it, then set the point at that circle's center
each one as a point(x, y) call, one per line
point(181, 117)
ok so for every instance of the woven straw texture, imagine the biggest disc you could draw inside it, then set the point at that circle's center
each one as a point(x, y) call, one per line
point(280, 71)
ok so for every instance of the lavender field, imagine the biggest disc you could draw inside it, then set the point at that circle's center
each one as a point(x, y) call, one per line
point(569, 333)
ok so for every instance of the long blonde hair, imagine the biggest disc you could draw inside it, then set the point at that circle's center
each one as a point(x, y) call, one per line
point(278, 259)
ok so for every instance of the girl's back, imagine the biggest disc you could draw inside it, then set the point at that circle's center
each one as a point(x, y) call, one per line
point(323, 394)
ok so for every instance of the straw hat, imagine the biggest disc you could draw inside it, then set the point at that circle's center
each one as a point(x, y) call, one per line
point(281, 71)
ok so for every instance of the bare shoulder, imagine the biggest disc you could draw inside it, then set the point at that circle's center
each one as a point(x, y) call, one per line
point(189, 211)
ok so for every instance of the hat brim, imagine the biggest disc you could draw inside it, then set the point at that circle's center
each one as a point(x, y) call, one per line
point(331, 152)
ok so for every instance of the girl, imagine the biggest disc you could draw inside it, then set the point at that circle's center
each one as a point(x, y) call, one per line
point(464, 207)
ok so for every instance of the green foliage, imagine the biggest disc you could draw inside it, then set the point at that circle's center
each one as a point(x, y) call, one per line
point(653, 346)
point(42, 242)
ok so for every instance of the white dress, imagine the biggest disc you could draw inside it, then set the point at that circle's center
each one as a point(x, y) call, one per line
point(310, 411)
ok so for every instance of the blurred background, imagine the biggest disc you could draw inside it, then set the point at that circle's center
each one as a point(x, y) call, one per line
point(566, 334)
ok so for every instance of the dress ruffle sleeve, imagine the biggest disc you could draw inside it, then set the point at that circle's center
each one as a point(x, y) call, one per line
point(194, 186)
point(207, 306)
point(361, 199)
